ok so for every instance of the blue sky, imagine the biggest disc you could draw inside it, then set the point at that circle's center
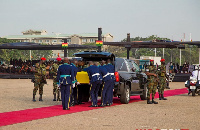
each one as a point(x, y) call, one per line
point(164, 18)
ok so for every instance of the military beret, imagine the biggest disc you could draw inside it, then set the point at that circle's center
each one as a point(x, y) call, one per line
point(162, 60)
point(58, 59)
point(43, 58)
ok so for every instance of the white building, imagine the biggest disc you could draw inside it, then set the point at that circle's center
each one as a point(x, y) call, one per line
point(57, 38)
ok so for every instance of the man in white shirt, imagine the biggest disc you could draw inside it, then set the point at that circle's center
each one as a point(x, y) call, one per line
point(195, 73)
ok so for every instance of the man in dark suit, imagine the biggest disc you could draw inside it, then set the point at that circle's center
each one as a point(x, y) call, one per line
point(111, 71)
point(95, 82)
point(65, 78)
point(106, 83)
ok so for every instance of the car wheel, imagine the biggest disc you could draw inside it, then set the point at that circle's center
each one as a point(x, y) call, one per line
point(125, 96)
point(144, 95)
point(193, 93)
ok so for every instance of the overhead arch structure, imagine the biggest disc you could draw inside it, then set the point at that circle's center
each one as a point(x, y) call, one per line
point(36, 46)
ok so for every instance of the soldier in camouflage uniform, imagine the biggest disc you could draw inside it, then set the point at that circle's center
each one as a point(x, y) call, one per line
point(151, 72)
point(162, 78)
point(40, 78)
point(54, 70)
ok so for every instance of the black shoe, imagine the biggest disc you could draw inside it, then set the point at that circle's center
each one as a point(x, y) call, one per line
point(93, 106)
point(154, 102)
point(64, 109)
point(149, 102)
point(34, 98)
point(81, 103)
point(167, 87)
point(54, 99)
point(160, 97)
point(40, 99)
point(101, 105)
point(163, 97)
point(108, 104)
point(59, 99)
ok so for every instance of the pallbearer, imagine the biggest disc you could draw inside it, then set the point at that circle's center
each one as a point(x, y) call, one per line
point(111, 71)
point(106, 83)
point(65, 78)
point(95, 82)
point(74, 95)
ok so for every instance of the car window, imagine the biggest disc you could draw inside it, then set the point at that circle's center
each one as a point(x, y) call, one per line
point(130, 65)
point(135, 66)
point(121, 65)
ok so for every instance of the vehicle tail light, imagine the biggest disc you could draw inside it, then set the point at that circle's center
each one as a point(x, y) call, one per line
point(116, 76)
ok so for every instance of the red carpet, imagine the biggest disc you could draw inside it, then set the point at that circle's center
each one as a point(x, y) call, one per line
point(13, 117)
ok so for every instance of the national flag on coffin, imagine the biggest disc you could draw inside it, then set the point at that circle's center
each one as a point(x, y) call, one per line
point(99, 43)
point(64, 45)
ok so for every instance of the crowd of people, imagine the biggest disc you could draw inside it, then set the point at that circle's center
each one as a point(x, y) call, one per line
point(175, 68)
point(18, 66)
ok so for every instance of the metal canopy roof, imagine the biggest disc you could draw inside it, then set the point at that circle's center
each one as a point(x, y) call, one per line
point(150, 44)
point(36, 46)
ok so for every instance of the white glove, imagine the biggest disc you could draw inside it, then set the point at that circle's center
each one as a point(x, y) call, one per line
point(77, 83)
point(73, 85)
point(58, 85)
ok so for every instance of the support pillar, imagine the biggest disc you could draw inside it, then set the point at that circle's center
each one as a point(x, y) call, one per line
point(128, 48)
point(65, 52)
point(180, 57)
point(99, 38)
point(163, 53)
point(65, 49)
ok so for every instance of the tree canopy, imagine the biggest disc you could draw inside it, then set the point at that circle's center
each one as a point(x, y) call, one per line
point(7, 54)
point(189, 54)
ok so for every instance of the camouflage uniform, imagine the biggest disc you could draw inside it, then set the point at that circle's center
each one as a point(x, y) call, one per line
point(152, 83)
point(40, 78)
point(54, 72)
point(55, 87)
point(162, 78)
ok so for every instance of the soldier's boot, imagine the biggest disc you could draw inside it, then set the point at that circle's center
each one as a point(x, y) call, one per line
point(163, 97)
point(148, 101)
point(54, 97)
point(167, 87)
point(154, 101)
point(40, 99)
point(160, 97)
point(34, 98)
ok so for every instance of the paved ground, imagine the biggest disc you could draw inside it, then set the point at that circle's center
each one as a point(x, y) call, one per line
point(178, 112)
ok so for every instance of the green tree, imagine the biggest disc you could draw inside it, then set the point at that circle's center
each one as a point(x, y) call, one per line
point(7, 54)
point(189, 54)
